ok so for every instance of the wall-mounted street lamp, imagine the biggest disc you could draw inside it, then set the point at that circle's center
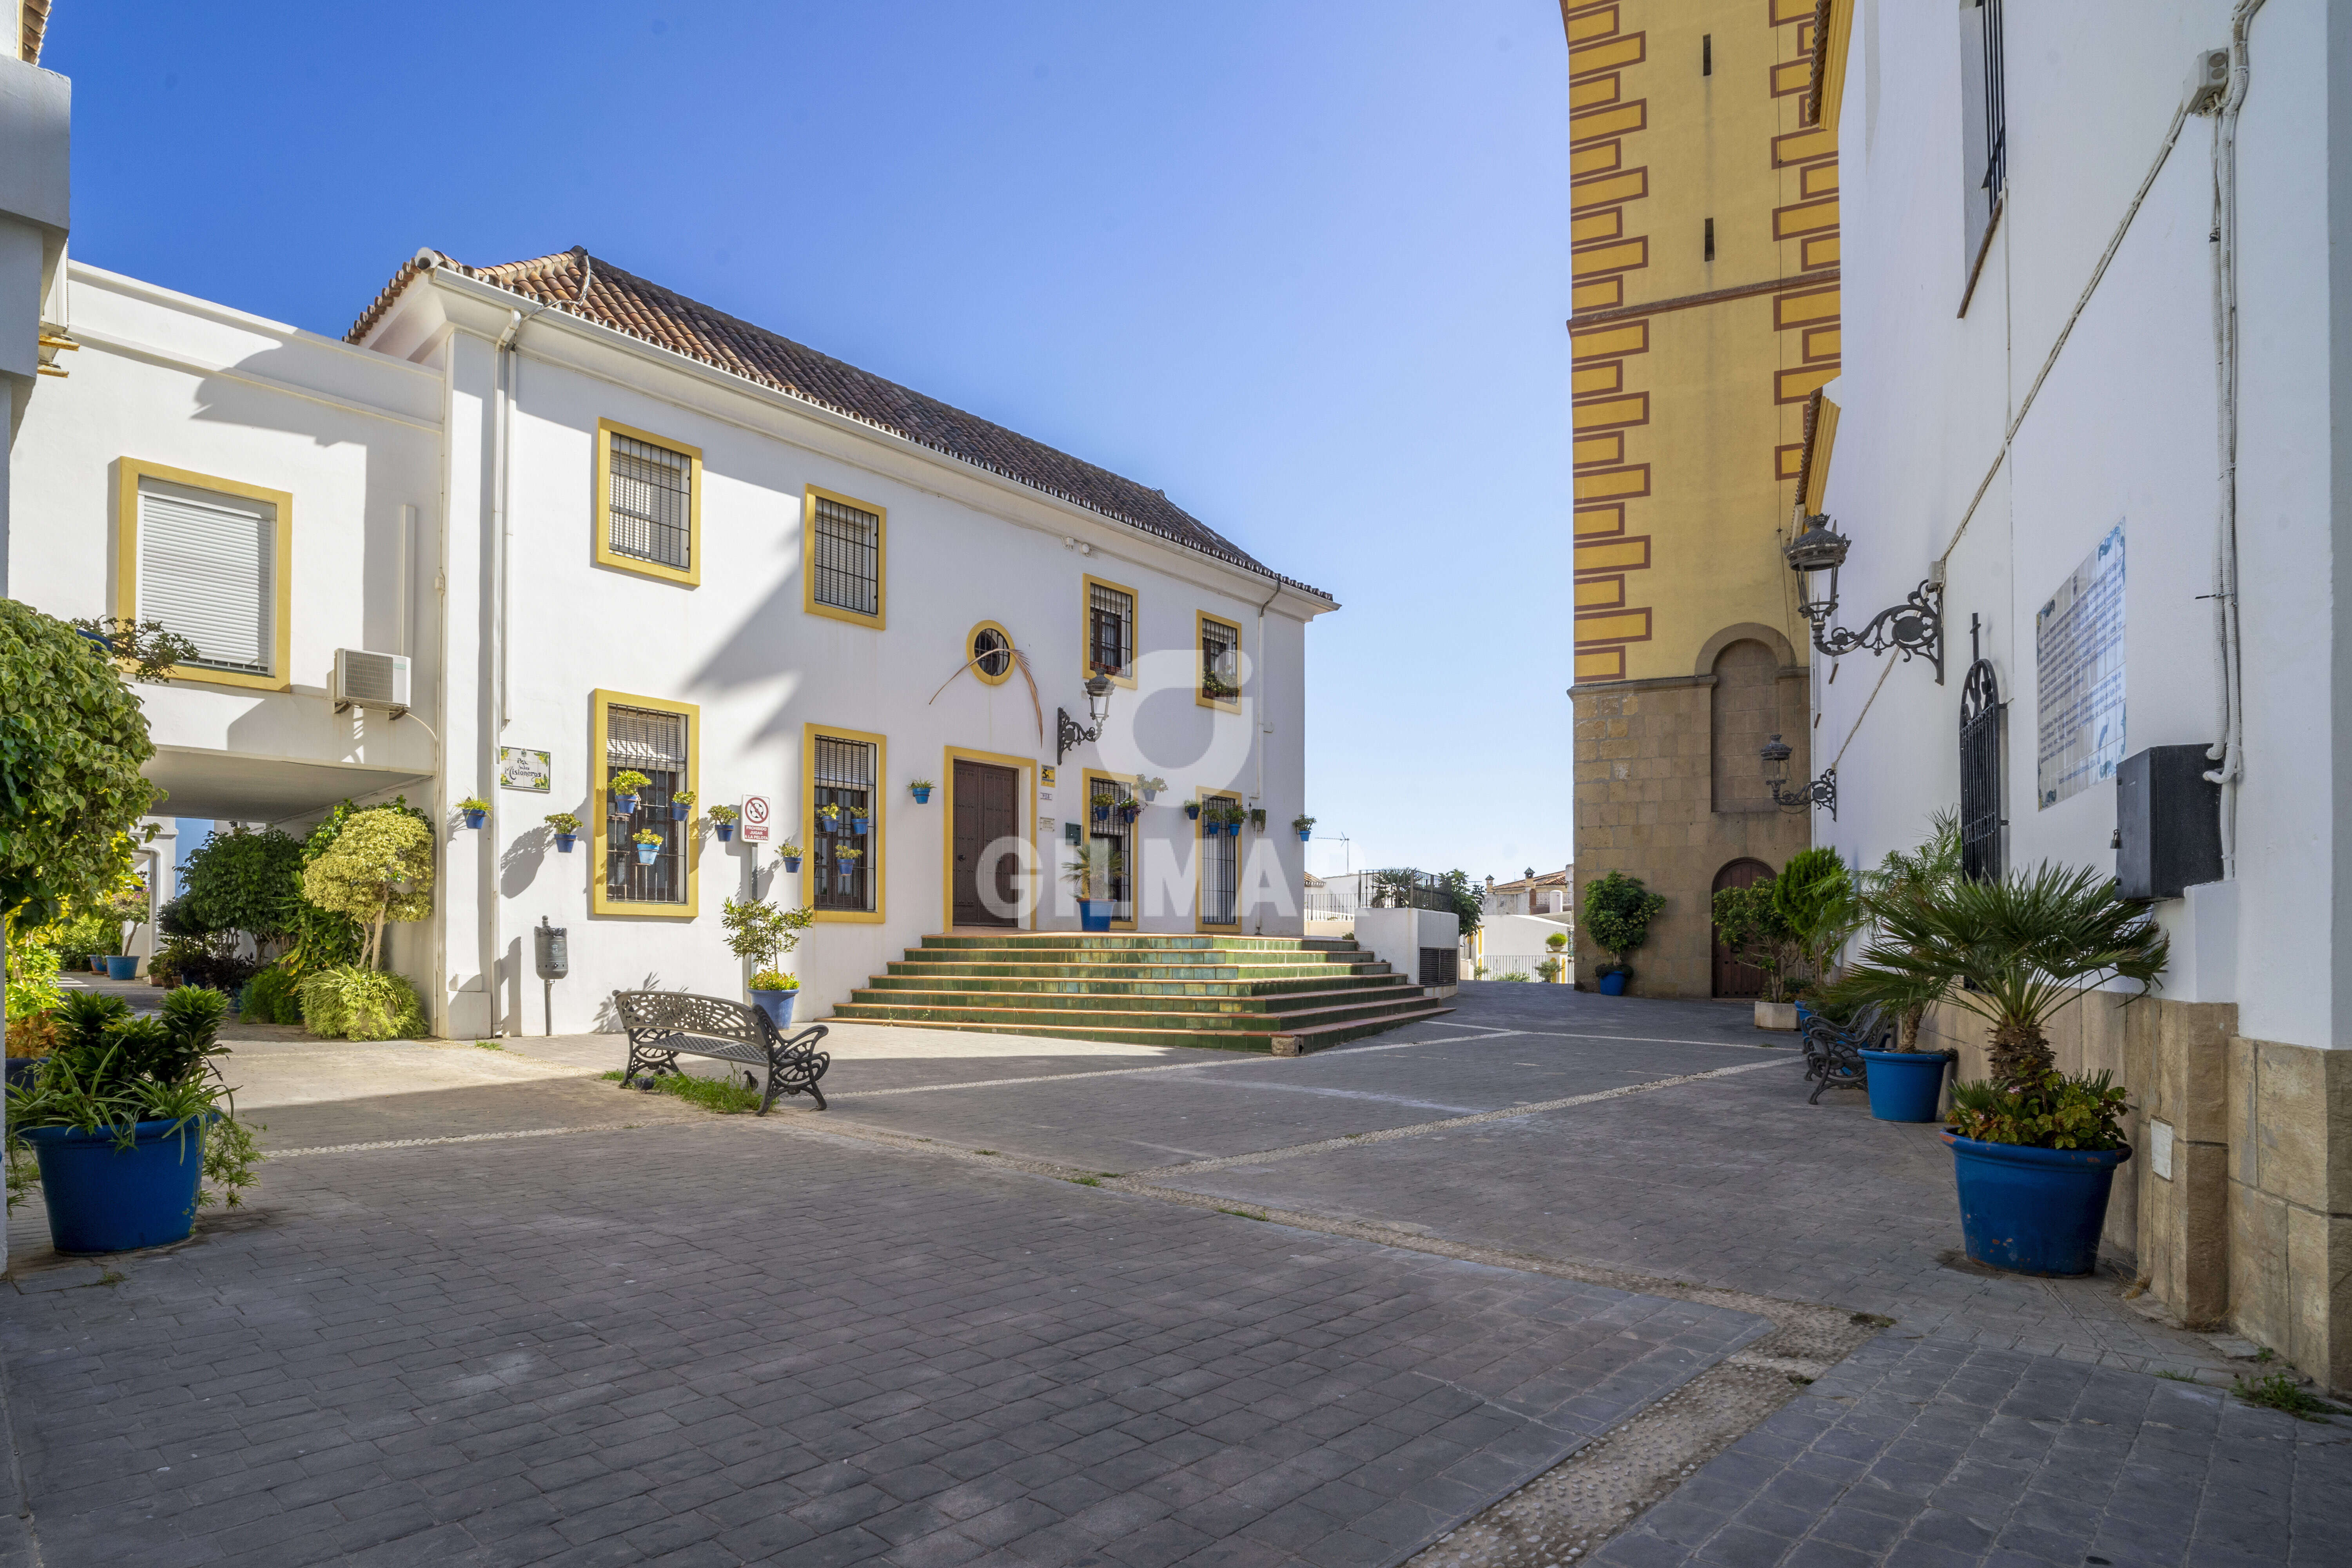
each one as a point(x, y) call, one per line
point(1823, 790)
point(1916, 627)
point(1066, 732)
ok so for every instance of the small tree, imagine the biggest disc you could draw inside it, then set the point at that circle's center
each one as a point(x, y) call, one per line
point(764, 933)
point(249, 880)
point(1747, 922)
point(378, 869)
point(1618, 911)
point(1814, 900)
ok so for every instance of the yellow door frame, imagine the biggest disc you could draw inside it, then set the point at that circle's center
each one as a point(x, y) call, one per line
point(1027, 768)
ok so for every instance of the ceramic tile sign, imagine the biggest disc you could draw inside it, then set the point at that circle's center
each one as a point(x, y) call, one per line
point(757, 814)
point(2078, 652)
point(522, 769)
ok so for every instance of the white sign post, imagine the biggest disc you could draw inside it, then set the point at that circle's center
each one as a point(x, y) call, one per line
point(756, 813)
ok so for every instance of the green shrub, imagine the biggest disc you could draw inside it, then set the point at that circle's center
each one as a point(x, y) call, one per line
point(272, 997)
point(2042, 1111)
point(1618, 911)
point(348, 1003)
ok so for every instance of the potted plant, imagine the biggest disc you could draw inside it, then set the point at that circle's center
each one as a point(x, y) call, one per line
point(626, 786)
point(763, 933)
point(2034, 1150)
point(1748, 924)
point(1129, 811)
point(1306, 826)
point(1217, 689)
point(567, 830)
point(477, 810)
point(921, 790)
point(127, 1118)
point(1193, 809)
point(681, 806)
point(722, 822)
point(1095, 878)
point(1618, 911)
point(1150, 788)
point(648, 843)
point(1907, 1084)
point(1552, 969)
point(846, 853)
point(1257, 818)
point(859, 822)
point(790, 854)
point(1101, 804)
point(128, 907)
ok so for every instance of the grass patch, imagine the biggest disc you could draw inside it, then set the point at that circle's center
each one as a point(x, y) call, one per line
point(984, 1152)
point(1084, 1181)
point(724, 1096)
point(1241, 1214)
point(487, 1045)
point(2281, 1392)
point(1799, 1379)
point(1872, 1320)
point(2175, 1376)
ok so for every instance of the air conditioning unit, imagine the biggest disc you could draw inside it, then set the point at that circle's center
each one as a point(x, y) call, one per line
point(364, 679)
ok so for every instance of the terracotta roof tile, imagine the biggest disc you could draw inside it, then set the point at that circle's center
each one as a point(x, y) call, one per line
point(574, 281)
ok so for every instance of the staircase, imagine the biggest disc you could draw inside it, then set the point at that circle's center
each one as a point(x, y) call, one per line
point(1236, 993)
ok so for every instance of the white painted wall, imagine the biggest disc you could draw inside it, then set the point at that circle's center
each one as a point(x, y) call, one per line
point(2124, 429)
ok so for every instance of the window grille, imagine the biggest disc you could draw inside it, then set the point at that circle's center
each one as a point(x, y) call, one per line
point(1984, 118)
point(844, 778)
point(1220, 663)
point(655, 744)
point(848, 557)
point(1220, 872)
point(1110, 630)
point(208, 571)
point(648, 501)
point(993, 652)
point(1980, 774)
point(1104, 799)
point(1441, 966)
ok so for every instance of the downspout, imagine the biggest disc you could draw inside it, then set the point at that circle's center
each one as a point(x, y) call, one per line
point(2228, 752)
point(1264, 725)
point(502, 357)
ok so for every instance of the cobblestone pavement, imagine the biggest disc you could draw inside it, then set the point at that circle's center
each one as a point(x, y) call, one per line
point(1586, 1243)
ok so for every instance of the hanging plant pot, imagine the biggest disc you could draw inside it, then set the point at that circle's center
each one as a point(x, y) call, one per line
point(922, 794)
point(859, 825)
point(1129, 811)
point(102, 1198)
point(680, 811)
point(1257, 817)
point(1102, 810)
point(475, 818)
point(625, 805)
point(1906, 1086)
point(1095, 914)
point(565, 841)
point(849, 859)
point(2033, 1211)
point(725, 831)
point(1233, 828)
point(1193, 809)
point(645, 853)
point(1305, 834)
point(791, 863)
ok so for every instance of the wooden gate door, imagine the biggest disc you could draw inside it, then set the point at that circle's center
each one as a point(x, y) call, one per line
point(1732, 978)
point(987, 809)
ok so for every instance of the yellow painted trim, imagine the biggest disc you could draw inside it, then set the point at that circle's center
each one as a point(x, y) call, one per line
point(948, 757)
point(600, 703)
point(1824, 439)
point(972, 636)
point(600, 525)
point(880, 617)
point(130, 471)
point(1833, 60)
point(875, 840)
point(1086, 777)
point(1200, 863)
point(1086, 585)
point(1202, 618)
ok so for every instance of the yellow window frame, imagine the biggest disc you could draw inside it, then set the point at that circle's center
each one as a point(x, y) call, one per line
point(876, 839)
point(972, 657)
point(1200, 866)
point(1086, 586)
point(1201, 621)
point(129, 472)
point(881, 618)
point(1027, 768)
point(601, 531)
point(601, 703)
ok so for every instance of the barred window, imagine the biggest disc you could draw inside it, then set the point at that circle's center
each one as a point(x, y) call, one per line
point(646, 740)
point(845, 564)
point(649, 503)
point(1219, 661)
point(845, 774)
point(1220, 870)
point(1110, 630)
point(1111, 831)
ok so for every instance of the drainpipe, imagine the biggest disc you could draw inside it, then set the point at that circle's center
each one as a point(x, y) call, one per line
point(502, 358)
point(1264, 725)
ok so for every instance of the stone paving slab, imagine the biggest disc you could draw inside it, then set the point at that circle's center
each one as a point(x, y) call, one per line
point(727, 1340)
point(1918, 1451)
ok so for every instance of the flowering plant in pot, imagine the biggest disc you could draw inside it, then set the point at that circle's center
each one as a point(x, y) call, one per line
point(846, 853)
point(722, 821)
point(1618, 911)
point(477, 810)
point(2034, 1150)
point(764, 933)
point(1257, 818)
point(681, 805)
point(567, 830)
point(648, 843)
point(921, 790)
point(790, 854)
point(1193, 809)
point(829, 818)
point(625, 787)
point(126, 1118)
point(1306, 826)
point(1129, 811)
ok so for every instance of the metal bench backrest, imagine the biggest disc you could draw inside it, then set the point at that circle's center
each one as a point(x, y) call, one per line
point(683, 1013)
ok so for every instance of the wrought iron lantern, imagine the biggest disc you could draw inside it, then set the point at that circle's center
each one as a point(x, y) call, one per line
point(1821, 792)
point(1914, 627)
point(1066, 732)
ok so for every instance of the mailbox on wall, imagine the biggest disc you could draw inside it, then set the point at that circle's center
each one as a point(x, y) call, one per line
point(2168, 822)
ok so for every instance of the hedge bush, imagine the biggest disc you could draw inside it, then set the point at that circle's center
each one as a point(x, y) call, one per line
point(350, 1003)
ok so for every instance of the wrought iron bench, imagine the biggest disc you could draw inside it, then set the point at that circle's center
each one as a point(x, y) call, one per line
point(662, 1023)
point(1833, 1051)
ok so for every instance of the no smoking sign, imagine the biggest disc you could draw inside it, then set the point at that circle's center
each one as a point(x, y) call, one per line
point(756, 812)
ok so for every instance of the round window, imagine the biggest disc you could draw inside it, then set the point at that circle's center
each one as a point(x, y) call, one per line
point(991, 652)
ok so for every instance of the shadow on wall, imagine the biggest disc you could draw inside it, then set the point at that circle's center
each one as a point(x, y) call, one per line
point(608, 1017)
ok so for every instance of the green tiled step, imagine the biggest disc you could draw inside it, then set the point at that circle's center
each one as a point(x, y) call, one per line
point(1040, 952)
point(1309, 1039)
point(925, 977)
point(1112, 941)
point(1164, 973)
point(1201, 1012)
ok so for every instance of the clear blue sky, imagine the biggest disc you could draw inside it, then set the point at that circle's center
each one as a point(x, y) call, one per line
point(1301, 263)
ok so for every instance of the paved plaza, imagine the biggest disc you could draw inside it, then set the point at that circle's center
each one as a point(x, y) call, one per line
point(1556, 1277)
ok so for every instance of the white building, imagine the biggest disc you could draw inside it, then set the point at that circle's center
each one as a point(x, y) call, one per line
point(2062, 348)
point(609, 527)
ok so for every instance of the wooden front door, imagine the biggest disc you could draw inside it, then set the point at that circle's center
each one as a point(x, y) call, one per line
point(1732, 978)
point(987, 811)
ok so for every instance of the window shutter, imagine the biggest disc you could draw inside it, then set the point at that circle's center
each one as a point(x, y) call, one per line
point(644, 740)
point(208, 569)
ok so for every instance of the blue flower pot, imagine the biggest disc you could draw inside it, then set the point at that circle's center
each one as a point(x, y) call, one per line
point(105, 1199)
point(1094, 914)
point(1193, 809)
point(776, 1004)
point(1233, 830)
point(1305, 834)
point(725, 831)
point(97, 963)
point(858, 825)
point(922, 795)
point(1906, 1086)
point(679, 812)
point(565, 841)
point(1613, 984)
point(645, 853)
point(791, 863)
point(475, 818)
point(122, 967)
point(2033, 1211)
point(625, 805)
